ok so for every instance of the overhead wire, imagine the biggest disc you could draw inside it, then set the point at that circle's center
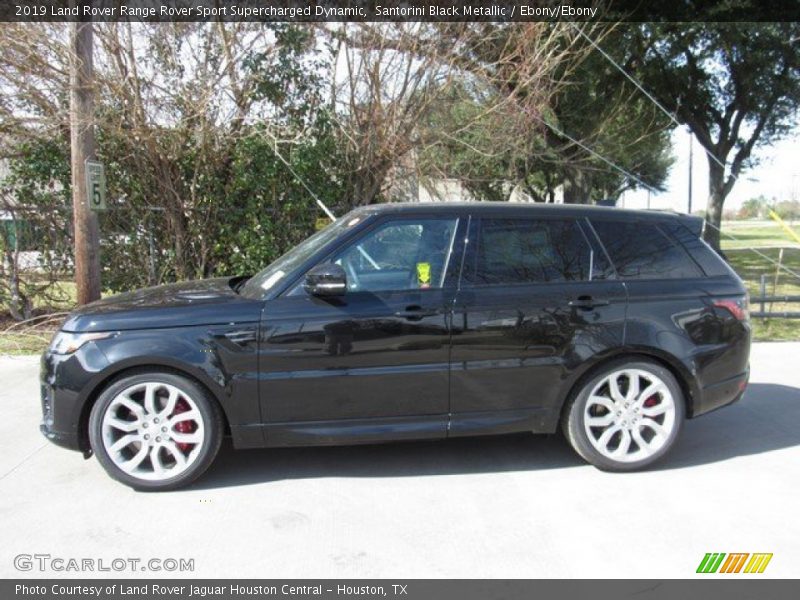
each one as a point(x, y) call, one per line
point(580, 144)
point(672, 117)
point(642, 89)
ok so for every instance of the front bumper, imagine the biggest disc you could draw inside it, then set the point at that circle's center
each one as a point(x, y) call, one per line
point(65, 382)
point(65, 433)
point(60, 438)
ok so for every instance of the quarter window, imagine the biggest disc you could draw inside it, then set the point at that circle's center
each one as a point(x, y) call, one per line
point(641, 251)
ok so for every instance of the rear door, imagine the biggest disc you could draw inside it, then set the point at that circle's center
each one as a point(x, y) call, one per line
point(674, 285)
point(537, 300)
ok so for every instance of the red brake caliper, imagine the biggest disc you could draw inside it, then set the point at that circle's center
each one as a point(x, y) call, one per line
point(651, 401)
point(183, 426)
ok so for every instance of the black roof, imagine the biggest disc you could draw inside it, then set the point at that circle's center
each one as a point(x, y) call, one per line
point(517, 208)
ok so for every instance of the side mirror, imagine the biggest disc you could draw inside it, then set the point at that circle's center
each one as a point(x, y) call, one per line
point(328, 279)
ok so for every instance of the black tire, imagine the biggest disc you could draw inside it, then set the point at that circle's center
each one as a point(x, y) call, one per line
point(206, 405)
point(573, 423)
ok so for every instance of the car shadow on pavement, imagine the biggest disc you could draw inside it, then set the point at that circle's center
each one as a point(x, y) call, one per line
point(489, 454)
point(763, 421)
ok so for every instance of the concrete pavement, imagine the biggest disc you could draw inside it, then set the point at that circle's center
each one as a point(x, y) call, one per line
point(515, 506)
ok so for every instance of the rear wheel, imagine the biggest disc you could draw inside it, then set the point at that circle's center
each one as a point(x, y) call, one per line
point(626, 417)
point(155, 431)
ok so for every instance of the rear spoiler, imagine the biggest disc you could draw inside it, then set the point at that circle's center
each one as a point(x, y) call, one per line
point(691, 222)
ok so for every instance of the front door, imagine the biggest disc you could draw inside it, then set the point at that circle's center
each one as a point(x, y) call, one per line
point(374, 362)
point(537, 301)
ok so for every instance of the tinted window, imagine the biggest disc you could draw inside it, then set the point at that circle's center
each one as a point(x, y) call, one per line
point(528, 251)
point(641, 250)
point(702, 254)
point(399, 255)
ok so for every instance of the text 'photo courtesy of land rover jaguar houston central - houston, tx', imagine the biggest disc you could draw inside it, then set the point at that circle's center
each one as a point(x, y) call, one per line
point(418, 321)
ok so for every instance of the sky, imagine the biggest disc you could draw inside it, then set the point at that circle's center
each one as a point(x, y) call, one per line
point(776, 175)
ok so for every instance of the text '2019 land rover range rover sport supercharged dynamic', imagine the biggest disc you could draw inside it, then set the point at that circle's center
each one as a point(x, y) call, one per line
point(418, 321)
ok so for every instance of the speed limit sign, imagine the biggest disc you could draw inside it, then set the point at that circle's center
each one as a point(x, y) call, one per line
point(96, 185)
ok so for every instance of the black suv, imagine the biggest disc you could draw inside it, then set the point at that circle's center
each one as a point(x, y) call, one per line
point(412, 321)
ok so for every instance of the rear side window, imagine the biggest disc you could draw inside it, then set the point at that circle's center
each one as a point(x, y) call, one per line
point(711, 262)
point(640, 250)
point(518, 251)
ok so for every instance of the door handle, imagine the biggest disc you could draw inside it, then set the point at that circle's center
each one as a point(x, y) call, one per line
point(415, 313)
point(587, 302)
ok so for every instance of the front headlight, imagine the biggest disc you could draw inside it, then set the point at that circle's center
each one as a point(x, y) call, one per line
point(67, 343)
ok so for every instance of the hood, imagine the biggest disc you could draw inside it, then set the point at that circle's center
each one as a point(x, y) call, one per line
point(206, 302)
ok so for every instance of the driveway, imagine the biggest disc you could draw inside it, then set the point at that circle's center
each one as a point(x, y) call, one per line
point(514, 506)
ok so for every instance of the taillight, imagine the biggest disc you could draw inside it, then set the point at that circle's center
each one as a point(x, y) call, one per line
point(739, 307)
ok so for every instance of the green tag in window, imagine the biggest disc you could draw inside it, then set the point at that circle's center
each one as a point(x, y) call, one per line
point(424, 274)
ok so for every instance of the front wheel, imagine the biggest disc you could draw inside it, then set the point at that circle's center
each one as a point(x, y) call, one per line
point(626, 417)
point(155, 431)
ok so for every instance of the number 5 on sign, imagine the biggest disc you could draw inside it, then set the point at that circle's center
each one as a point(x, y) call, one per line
point(96, 185)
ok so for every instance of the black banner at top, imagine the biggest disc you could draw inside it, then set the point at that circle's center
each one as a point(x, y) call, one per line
point(394, 10)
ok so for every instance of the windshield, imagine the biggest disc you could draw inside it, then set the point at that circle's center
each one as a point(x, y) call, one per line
point(265, 280)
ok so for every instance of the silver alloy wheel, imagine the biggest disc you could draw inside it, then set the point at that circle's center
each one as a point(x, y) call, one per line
point(153, 431)
point(629, 415)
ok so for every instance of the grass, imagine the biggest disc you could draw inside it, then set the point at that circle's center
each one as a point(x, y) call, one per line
point(750, 267)
point(768, 238)
point(763, 234)
point(33, 336)
point(14, 344)
point(762, 237)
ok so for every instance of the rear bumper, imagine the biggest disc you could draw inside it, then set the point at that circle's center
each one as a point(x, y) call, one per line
point(721, 394)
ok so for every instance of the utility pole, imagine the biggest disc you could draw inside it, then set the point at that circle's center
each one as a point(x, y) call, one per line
point(81, 116)
point(691, 139)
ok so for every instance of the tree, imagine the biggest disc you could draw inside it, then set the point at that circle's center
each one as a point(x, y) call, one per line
point(472, 136)
point(177, 99)
point(86, 233)
point(753, 208)
point(177, 107)
point(35, 235)
point(495, 146)
point(599, 108)
point(377, 100)
point(400, 78)
point(736, 87)
point(787, 209)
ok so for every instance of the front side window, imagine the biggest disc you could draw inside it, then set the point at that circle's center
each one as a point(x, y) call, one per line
point(520, 251)
point(401, 254)
point(642, 251)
